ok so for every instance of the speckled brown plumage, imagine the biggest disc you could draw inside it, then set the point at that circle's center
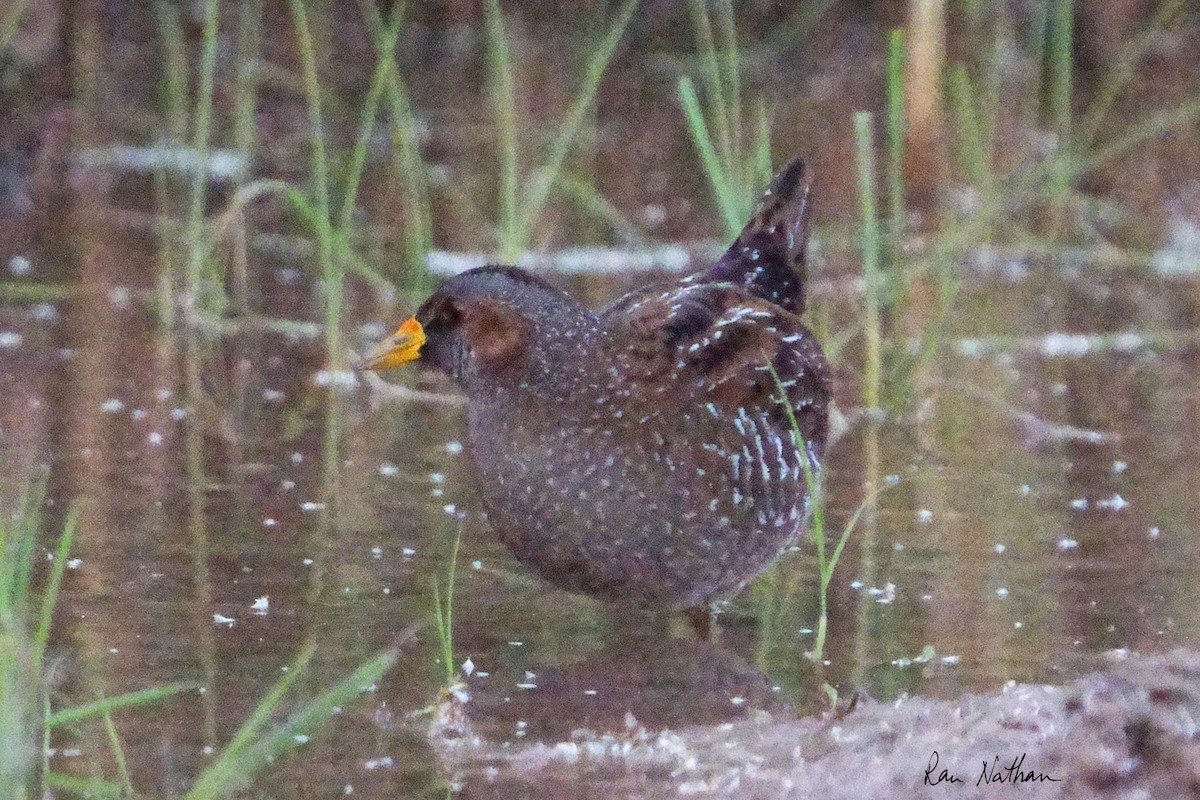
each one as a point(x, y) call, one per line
point(639, 453)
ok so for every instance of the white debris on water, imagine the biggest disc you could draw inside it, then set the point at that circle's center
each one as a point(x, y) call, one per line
point(336, 379)
point(75, 563)
point(924, 516)
point(408, 552)
point(1002, 592)
point(1058, 345)
point(137, 414)
point(261, 605)
point(468, 667)
point(384, 762)
point(1079, 503)
point(1114, 503)
point(372, 331)
point(120, 297)
point(19, 265)
point(377, 552)
point(270, 522)
point(308, 562)
point(1067, 544)
point(43, 312)
point(311, 506)
point(10, 340)
point(388, 469)
point(221, 619)
point(112, 406)
point(178, 414)
point(1155, 532)
point(1053, 345)
point(272, 395)
point(999, 548)
point(1179, 258)
point(1119, 466)
point(221, 164)
point(583, 260)
point(454, 447)
point(155, 438)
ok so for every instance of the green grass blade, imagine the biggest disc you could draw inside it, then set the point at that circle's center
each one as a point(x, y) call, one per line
point(109, 704)
point(895, 135)
point(724, 193)
point(730, 75)
point(971, 145)
point(201, 131)
point(114, 744)
point(50, 595)
point(545, 178)
point(406, 155)
point(366, 123)
point(714, 82)
point(331, 270)
point(83, 787)
point(1115, 80)
point(253, 726)
point(865, 149)
point(503, 99)
point(234, 768)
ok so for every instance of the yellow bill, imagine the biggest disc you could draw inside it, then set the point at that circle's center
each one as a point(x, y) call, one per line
point(401, 347)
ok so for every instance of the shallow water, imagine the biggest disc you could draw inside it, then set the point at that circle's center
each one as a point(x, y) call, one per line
point(1038, 512)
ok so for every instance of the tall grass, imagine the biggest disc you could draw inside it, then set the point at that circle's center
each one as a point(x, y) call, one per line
point(443, 613)
point(27, 717)
point(521, 201)
point(827, 560)
point(872, 250)
point(735, 151)
point(27, 714)
point(201, 135)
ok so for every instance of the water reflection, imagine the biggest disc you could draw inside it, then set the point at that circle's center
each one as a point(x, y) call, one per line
point(996, 554)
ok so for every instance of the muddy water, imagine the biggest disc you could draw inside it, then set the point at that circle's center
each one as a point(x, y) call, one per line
point(1037, 509)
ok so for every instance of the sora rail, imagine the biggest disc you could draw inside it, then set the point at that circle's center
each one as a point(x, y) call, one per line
point(640, 453)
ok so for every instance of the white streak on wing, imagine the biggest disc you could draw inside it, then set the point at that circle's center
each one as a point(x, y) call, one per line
point(784, 469)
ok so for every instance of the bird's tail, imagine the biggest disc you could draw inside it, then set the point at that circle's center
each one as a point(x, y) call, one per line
point(768, 257)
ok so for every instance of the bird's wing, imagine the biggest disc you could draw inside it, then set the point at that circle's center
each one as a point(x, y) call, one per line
point(712, 346)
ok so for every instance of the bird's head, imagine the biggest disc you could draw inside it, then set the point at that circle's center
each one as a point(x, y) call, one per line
point(486, 327)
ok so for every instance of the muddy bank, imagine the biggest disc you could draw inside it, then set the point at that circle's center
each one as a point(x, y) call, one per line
point(1130, 730)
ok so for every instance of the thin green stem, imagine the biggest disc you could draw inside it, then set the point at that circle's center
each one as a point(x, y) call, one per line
point(331, 269)
point(714, 80)
point(366, 124)
point(865, 141)
point(201, 126)
point(504, 107)
point(895, 131)
point(539, 189)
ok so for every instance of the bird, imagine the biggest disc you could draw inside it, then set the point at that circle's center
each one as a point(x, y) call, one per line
point(660, 451)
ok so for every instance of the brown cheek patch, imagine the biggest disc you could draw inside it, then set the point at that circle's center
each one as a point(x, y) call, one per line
point(496, 335)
